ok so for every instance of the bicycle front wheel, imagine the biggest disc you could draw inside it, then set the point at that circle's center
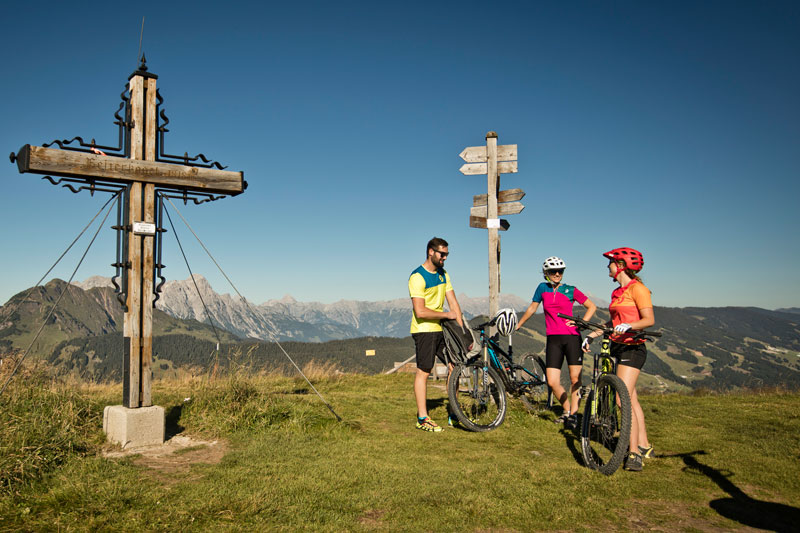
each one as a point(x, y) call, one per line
point(535, 394)
point(606, 426)
point(477, 396)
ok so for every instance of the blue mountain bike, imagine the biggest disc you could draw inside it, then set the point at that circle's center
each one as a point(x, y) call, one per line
point(477, 387)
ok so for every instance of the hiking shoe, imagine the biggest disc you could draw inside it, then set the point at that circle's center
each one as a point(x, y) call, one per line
point(571, 422)
point(426, 424)
point(633, 462)
point(646, 453)
point(562, 419)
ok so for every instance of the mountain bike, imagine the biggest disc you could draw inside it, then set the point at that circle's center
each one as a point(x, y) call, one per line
point(606, 427)
point(477, 387)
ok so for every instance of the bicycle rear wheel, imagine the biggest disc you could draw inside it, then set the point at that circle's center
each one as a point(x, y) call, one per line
point(606, 426)
point(534, 397)
point(477, 396)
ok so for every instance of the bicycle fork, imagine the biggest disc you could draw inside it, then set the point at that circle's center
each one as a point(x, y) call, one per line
point(485, 366)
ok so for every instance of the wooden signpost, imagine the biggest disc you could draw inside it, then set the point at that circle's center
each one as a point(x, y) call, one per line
point(492, 160)
point(143, 175)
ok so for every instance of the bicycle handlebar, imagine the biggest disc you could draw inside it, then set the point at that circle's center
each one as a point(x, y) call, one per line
point(607, 330)
point(490, 323)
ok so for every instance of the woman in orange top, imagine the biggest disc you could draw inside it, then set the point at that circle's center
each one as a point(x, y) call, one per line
point(631, 309)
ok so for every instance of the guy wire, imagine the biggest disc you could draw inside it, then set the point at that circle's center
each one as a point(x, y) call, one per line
point(55, 305)
point(191, 274)
point(6, 315)
point(258, 314)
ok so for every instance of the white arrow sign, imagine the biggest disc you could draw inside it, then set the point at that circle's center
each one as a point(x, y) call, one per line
point(477, 154)
point(509, 208)
point(503, 167)
point(481, 222)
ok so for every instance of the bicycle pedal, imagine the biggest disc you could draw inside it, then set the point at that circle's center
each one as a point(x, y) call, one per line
point(584, 392)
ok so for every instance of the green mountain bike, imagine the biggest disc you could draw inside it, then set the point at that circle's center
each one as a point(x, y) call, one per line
point(606, 426)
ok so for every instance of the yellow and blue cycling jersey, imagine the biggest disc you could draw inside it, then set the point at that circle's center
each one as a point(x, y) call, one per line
point(431, 287)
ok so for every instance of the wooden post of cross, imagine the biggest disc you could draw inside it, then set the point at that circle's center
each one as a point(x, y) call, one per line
point(138, 324)
point(145, 170)
point(492, 160)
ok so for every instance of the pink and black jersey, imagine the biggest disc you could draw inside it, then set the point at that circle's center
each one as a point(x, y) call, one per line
point(559, 300)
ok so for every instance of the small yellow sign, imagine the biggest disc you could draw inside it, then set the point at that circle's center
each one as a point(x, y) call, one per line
point(370, 352)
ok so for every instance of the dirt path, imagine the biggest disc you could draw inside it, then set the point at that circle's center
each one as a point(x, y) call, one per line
point(171, 462)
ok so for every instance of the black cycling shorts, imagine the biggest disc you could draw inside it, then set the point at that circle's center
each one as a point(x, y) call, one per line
point(629, 354)
point(429, 345)
point(559, 346)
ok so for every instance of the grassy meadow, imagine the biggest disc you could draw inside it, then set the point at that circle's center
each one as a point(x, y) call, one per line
point(723, 462)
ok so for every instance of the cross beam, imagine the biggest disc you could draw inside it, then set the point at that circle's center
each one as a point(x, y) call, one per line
point(55, 162)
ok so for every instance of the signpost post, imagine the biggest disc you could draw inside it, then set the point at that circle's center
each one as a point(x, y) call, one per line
point(143, 175)
point(492, 160)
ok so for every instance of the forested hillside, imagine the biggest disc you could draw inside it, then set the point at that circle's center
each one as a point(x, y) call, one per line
point(712, 348)
point(100, 358)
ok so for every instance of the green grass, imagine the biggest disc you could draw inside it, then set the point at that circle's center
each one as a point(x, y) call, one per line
point(291, 466)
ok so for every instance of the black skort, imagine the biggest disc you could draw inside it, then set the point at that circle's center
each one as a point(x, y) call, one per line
point(559, 346)
point(629, 354)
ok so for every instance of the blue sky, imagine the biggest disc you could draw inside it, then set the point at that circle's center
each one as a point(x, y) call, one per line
point(671, 127)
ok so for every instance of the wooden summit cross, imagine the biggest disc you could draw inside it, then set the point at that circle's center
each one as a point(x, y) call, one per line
point(143, 174)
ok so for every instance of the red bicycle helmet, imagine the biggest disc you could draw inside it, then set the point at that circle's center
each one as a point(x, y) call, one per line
point(633, 259)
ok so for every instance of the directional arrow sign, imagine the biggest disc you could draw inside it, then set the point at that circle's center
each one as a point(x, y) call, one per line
point(480, 222)
point(509, 208)
point(503, 167)
point(477, 154)
point(510, 195)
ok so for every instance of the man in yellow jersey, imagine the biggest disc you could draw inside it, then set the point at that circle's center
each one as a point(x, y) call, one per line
point(429, 286)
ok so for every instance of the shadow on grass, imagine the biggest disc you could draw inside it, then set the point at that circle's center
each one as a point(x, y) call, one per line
point(439, 402)
point(171, 426)
point(741, 507)
point(436, 403)
point(573, 441)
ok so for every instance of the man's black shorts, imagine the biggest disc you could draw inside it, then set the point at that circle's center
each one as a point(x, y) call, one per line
point(429, 344)
point(629, 354)
point(559, 346)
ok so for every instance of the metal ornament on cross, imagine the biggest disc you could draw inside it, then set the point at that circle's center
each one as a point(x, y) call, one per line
point(493, 160)
point(143, 174)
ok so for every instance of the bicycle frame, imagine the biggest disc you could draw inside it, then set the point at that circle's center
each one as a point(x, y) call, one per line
point(603, 364)
point(512, 374)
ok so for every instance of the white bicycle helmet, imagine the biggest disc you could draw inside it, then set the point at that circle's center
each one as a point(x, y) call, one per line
point(505, 320)
point(552, 263)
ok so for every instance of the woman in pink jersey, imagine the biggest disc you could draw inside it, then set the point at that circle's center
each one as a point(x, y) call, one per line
point(631, 309)
point(563, 339)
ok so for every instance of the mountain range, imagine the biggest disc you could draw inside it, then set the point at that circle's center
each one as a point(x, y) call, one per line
point(288, 319)
point(701, 347)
